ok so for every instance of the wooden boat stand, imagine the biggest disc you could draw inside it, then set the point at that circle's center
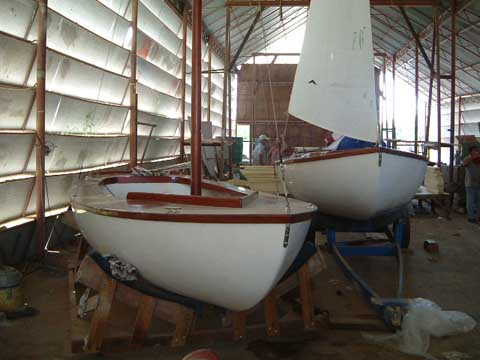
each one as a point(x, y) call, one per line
point(93, 335)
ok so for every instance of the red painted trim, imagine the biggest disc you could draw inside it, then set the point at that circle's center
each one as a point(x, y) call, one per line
point(231, 202)
point(201, 218)
point(356, 152)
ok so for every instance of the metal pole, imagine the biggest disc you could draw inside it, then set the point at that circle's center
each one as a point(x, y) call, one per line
point(417, 83)
point(133, 87)
point(230, 159)
point(394, 74)
point(230, 155)
point(460, 102)
point(196, 147)
point(430, 94)
point(209, 81)
point(439, 83)
point(40, 125)
point(184, 82)
point(226, 67)
point(453, 88)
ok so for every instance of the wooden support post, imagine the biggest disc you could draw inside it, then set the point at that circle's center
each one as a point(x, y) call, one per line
point(271, 314)
point(40, 126)
point(417, 85)
point(72, 300)
point(239, 325)
point(209, 81)
point(453, 92)
point(394, 73)
point(306, 297)
point(196, 147)
point(133, 87)
point(183, 327)
point(226, 72)
point(430, 93)
point(99, 321)
point(230, 155)
point(184, 81)
point(143, 321)
point(459, 130)
point(439, 84)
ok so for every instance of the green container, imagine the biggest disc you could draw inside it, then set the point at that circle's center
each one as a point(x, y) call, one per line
point(237, 150)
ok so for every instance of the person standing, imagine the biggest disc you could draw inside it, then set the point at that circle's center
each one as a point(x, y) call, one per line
point(472, 183)
point(260, 152)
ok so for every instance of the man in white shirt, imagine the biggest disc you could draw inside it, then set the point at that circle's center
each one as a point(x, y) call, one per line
point(260, 151)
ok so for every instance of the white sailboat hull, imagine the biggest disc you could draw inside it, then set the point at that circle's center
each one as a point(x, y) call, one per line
point(233, 266)
point(227, 256)
point(359, 186)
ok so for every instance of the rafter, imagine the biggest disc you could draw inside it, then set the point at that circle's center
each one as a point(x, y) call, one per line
point(266, 3)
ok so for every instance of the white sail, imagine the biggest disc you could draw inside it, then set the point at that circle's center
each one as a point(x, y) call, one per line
point(334, 85)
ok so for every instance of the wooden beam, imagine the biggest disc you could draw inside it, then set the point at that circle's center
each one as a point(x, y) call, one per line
point(196, 123)
point(416, 37)
point(276, 3)
point(40, 126)
point(209, 111)
point(184, 82)
point(439, 84)
point(453, 87)
point(226, 72)
point(133, 87)
point(417, 88)
point(246, 38)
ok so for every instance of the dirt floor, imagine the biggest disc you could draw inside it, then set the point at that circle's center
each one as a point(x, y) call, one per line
point(450, 279)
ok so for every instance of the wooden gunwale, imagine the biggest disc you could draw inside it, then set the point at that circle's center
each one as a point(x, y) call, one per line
point(200, 218)
point(356, 152)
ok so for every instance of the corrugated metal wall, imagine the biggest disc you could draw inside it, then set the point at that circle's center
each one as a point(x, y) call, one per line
point(87, 111)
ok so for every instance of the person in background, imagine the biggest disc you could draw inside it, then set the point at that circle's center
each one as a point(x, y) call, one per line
point(472, 183)
point(260, 152)
point(277, 150)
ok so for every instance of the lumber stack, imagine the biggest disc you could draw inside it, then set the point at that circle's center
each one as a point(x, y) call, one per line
point(259, 178)
point(434, 181)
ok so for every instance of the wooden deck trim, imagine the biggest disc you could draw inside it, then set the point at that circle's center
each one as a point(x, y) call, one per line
point(347, 153)
point(230, 201)
point(201, 218)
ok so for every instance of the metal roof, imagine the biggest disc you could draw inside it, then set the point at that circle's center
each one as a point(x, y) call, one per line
point(391, 35)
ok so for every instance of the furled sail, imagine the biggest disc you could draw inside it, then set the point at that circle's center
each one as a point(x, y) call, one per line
point(334, 85)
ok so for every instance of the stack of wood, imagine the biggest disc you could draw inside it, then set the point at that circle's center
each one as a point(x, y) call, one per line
point(260, 178)
point(434, 181)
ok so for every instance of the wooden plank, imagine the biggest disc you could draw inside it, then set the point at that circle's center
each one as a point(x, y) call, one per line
point(99, 321)
point(306, 297)
point(183, 327)
point(143, 321)
point(116, 343)
point(91, 275)
point(72, 298)
point(239, 325)
point(271, 314)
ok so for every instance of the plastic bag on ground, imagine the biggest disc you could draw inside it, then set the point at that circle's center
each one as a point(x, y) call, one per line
point(424, 319)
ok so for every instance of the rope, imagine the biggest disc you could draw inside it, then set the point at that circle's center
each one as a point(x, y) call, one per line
point(278, 139)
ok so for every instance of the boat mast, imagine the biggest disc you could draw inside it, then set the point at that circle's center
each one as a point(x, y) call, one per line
point(196, 144)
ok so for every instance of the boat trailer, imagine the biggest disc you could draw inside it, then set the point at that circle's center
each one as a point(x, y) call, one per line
point(396, 226)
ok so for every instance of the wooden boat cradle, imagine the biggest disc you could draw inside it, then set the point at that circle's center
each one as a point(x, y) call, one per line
point(98, 339)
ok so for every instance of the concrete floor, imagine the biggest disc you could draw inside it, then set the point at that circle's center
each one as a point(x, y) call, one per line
point(451, 280)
